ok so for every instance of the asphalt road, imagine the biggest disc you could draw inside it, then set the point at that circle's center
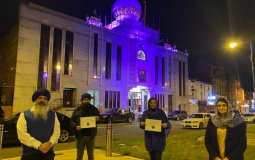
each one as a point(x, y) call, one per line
point(120, 130)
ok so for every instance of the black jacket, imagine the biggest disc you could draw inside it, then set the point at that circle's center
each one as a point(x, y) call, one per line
point(84, 110)
point(235, 143)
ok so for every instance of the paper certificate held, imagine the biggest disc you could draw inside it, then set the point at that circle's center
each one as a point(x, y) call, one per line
point(153, 125)
point(88, 122)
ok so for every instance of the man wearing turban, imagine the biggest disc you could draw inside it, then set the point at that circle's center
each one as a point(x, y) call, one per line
point(38, 128)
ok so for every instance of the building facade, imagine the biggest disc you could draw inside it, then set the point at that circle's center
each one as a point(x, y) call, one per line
point(121, 64)
point(236, 94)
point(199, 93)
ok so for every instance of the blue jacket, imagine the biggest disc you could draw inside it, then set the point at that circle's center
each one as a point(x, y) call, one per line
point(155, 141)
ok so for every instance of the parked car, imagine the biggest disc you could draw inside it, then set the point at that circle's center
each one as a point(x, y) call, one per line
point(140, 117)
point(249, 117)
point(117, 115)
point(10, 133)
point(197, 120)
point(177, 115)
point(212, 112)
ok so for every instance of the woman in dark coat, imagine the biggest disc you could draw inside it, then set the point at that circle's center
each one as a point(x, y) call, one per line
point(225, 136)
point(155, 142)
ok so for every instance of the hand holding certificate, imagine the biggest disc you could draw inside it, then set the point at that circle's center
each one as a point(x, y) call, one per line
point(153, 125)
point(88, 122)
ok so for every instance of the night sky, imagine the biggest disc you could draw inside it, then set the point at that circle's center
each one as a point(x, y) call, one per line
point(201, 26)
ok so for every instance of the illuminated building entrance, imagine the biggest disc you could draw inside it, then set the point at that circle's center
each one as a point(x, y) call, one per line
point(138, 99)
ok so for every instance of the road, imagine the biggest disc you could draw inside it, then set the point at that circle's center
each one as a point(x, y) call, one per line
point(120, 130)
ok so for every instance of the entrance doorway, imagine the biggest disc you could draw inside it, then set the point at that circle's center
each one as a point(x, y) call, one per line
point(68, 97)
point(137, 99)
point(170, 103)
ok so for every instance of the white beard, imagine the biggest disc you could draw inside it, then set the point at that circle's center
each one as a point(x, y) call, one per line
point(40, 111)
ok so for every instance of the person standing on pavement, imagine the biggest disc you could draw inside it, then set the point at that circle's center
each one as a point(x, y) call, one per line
point(38, 129)
point(225, 137)
point(85, 137)
point(155, 142)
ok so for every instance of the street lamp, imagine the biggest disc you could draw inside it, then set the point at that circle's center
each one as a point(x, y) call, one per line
point(252, 68)
point(234, 45)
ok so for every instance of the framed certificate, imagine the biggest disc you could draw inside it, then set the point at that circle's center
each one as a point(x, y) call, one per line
point(88, 122)
point(153, 125)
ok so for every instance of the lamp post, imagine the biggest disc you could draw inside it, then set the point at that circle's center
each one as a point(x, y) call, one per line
point(233, 45)
point(252, 68)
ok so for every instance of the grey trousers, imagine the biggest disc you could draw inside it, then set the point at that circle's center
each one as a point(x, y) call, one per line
point(89, 143)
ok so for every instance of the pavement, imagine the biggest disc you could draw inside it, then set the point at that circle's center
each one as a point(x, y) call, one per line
point(70, 154)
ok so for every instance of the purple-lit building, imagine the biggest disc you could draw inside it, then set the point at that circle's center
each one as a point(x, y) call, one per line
point(121, 64)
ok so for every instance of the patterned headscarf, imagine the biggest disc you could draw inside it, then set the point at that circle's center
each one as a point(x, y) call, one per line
point(232, 118)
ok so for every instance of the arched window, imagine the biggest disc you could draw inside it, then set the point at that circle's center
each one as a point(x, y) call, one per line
point(141, 55)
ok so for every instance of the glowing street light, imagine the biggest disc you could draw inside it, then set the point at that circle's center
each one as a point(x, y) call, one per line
point(233, 45)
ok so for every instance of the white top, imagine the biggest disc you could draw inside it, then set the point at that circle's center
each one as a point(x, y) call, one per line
point(26, 139)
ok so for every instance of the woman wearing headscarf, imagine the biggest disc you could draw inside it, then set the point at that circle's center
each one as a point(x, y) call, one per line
point(225, 136)
point(155, 142)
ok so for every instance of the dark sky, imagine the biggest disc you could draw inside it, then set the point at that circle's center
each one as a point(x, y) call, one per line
point(201, 26)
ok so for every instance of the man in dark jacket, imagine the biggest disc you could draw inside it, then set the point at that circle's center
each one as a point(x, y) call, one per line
point(84, 136)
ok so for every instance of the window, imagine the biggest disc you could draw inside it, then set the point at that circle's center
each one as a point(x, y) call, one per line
point(43, 57)
point(169, 72)
point(180, 78)
point(163, 71)
point(95, 55)
point(119, 60)
point(106, 99)
point(183, 78)
point(56, 60)
point(112, 99)
point(108, 60)
point(6, 95)
point(118, 99)
point(68, 66)
point(141, 55)
point(156, 70)
point(142, 76)
point(161, 100)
